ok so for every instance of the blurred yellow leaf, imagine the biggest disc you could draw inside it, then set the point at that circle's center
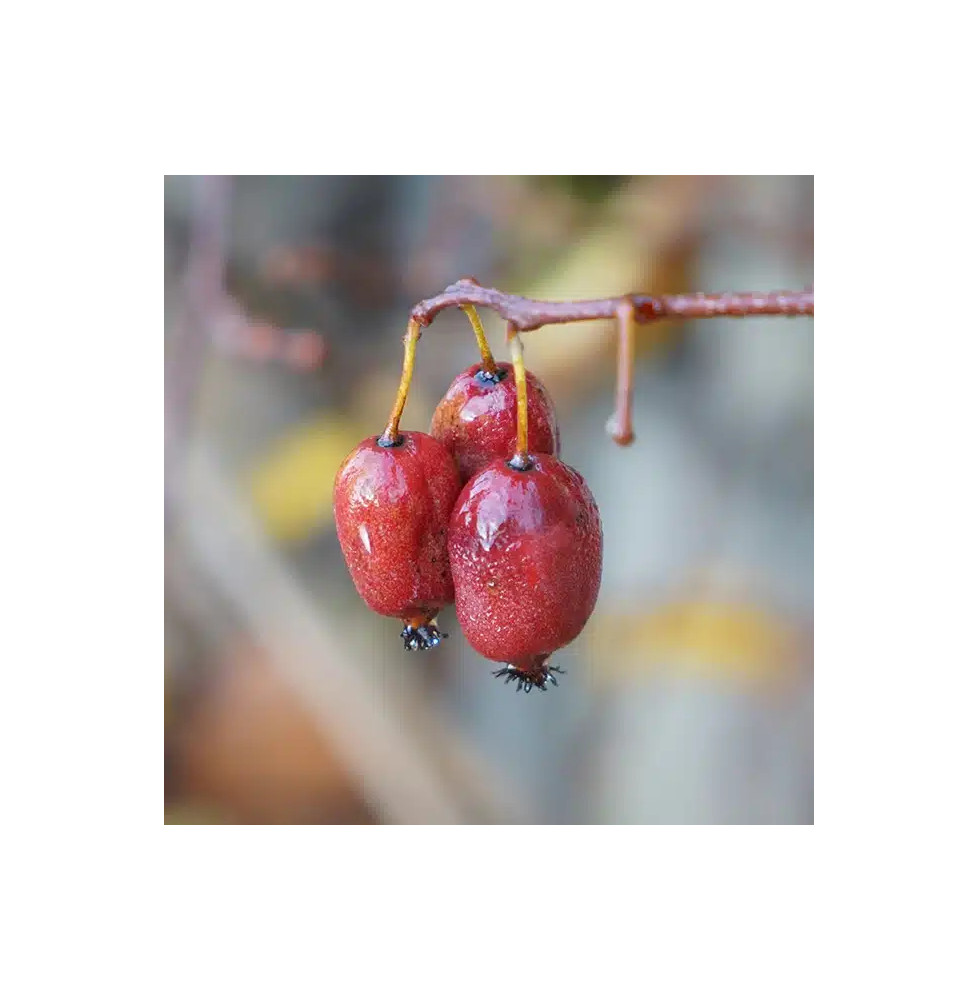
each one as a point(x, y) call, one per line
point(292, 486)
point(739, 640)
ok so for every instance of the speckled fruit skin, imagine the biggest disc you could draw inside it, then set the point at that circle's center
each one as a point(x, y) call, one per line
point(525, 550)
point(476, 419)
point(392, 507)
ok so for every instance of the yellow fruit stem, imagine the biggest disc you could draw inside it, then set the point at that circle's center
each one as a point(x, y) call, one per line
point(488, 361)
point(521, 459)
point(391, 437)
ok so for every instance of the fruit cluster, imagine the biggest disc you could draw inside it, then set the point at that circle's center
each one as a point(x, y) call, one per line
point(479, 511)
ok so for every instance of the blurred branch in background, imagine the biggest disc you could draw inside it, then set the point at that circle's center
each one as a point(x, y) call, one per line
point(208, 315)
point(410, 765)
point(201, 300)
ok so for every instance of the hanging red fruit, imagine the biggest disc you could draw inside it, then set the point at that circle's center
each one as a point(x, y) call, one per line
point(525, 548)
point(476, 418)
point(392, 505)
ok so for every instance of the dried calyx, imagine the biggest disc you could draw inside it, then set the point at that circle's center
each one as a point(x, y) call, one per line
point(422, 636)
point(536, 676)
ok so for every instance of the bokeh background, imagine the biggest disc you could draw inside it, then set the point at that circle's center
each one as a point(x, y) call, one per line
point(688, 697)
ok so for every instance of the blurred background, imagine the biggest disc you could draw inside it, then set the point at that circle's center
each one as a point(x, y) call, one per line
point(688, 697)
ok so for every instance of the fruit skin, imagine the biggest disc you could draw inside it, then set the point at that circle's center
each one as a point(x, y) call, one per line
point(525, 549)
point(476, 418)
point(392, 507)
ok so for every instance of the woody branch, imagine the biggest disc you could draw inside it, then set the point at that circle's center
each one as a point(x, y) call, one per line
point(522, 314)
point(530, 314)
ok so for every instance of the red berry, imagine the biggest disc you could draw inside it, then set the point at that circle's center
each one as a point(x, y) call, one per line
point(476, 419)
point(525, 551)
point(392, 507)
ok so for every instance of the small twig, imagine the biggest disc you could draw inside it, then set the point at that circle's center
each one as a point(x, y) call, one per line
point(620, 424)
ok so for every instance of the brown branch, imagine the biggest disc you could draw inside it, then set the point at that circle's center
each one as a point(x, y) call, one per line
point(530, 314)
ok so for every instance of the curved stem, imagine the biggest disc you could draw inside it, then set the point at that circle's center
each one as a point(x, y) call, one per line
point(620, 424)
point(521, 459)
point(488, 361)
point(391, 437)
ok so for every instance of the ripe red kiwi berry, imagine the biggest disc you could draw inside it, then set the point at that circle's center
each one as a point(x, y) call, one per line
point(525, 548)
point(476, 418)
point(392, 505)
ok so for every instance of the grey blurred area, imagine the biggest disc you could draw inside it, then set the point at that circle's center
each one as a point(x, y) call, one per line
point(688, 698)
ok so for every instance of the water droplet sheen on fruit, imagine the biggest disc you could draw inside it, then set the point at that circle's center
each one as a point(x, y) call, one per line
point(525, 548)
point(476, 418)
point(392, 507)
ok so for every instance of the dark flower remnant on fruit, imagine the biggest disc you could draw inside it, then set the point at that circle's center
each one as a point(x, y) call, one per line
point(476, 418)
